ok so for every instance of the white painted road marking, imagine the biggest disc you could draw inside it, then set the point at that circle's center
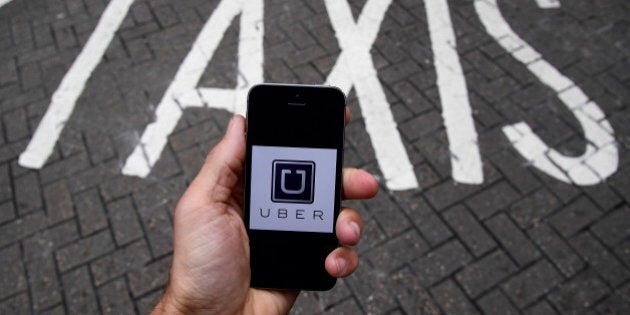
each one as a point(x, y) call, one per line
point(354, 67)
point(182, 93)
point(548, 4)
point(601, 157)
point(460, 128)
point(65, 97)
point(3, 2)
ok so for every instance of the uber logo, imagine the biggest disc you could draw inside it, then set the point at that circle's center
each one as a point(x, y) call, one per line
point(293, 181)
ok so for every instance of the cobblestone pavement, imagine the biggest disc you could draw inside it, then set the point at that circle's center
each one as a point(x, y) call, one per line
point(78, 236)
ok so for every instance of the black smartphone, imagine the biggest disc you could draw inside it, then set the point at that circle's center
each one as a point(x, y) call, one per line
point(295, 136)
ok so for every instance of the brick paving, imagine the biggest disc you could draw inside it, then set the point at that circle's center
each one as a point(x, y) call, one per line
point(77, 236)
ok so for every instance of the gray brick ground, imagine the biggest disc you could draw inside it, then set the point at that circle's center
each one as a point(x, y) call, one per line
point(77, 236)
point(469, 230)
point(124, 221)
point(496, 302)
point(12, 270)
point(451, 299)
point(601, 259)
point(441, 262)
point(123, 260)
point(531, 283)
point(84, 250)
point(485, 273)
point(580, 293)
point(512, 239)
point(574, 217)
point(115, 298)
point(79, 293)
point(560, 253)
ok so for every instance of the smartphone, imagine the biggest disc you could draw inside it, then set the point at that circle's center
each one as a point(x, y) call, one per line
point(295, 136)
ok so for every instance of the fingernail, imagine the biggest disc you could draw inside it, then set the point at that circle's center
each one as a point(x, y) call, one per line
point(341, 266)
point(356, 229)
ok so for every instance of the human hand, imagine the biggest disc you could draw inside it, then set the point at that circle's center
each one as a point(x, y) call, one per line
point(210, 270)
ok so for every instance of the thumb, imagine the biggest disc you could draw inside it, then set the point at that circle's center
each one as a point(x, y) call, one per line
point(222, 169)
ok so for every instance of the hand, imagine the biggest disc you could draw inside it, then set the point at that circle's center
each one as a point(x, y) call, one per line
point(210, 269)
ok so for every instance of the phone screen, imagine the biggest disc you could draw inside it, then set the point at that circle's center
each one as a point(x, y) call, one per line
point(293, 178)
point(292, 189)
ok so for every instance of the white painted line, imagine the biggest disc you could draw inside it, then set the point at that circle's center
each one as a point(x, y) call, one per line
point(548, 4)
point(355, 67)
point(601, 156)
point(182, 93)
point(72, 85)
point(460, 128)
point(3, 2)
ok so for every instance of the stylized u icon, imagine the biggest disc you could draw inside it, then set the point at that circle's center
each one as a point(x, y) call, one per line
point(286, 190)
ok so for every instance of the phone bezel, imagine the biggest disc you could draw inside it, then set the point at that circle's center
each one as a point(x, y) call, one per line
point(282, 259)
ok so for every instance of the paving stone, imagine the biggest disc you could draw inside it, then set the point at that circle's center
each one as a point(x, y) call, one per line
point(15, 125)
point(600, 259)
point(79, 293)
point(6, 191)
point(531, 283)
point(489, 201)
point(147, 303)
point(485, 273)
point(22, 227)
point(534, 208)
point(57, 310)
point(443, 195)
point(114, 298)
point(150, 277)
point(348, 306)
point(513, 240)
point(340, 292)
point(27, 193)
point(495, 302)
point(575, 216)
point(541, 308)
point(158, 229)
point(623, 252)
point(441, 262)
point(617, 303)
point(370, 288)
point(513, 169)
point(18, 304)
point(99, 146)
point(43, 243)
point(388, 214)
point(421, 125)
point(411, 295)
point(58, 202)
point(84, 250)
point(451, 299)
point(129, 258)
point(42, 279)
point(558, 251)
point(413, 99)
point(431, 227)
point(603, 196)
point(405, 247)
point(615, 227)
point(7, 211)
point(124, 221)
point(579, 294)
point(90, 211)
point(472, 234)
point(12, 270)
